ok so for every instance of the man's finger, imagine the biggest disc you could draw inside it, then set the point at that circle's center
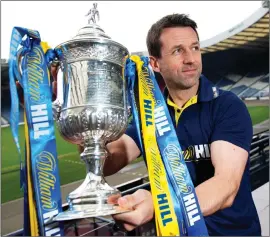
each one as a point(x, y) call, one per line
point(130, 201)
point(130, 217)
point(113, 198)
point(143, 211)
point(141, 214)
point(54, 71)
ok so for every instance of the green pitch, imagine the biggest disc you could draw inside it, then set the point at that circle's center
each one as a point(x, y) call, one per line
point(258, 114)
point(70, 166)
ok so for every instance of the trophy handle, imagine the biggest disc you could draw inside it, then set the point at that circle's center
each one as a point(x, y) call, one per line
point(57, 74)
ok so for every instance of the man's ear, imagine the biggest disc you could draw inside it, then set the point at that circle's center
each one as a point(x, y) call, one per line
point(154, 63)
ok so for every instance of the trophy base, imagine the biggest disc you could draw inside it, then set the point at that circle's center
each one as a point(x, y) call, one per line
point(87, 213)
point(93, 198)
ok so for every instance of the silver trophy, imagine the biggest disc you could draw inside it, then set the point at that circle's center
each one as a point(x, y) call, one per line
point(91, 110)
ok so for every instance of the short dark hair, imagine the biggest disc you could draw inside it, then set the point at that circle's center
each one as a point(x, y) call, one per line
point(174, 20)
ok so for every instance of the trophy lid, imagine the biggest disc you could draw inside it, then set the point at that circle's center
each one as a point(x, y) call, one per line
point(91, 31)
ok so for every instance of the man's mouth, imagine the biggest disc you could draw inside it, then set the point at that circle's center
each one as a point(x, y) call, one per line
point(189, 71)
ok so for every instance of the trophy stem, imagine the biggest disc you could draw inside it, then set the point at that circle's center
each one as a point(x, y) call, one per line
point(94, 156)
point(90, 199)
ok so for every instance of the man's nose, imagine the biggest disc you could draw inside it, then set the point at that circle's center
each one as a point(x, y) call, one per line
point(188, 57)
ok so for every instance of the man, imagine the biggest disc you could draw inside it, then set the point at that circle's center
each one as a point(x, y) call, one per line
point(213, 127)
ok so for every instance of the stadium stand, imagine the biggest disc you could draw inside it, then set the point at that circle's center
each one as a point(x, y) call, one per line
point(261, 84)
point(242, 85)
point(255, 86)
point(245, 46)
point(228, 80)
point(4, 122)
point(249, 77)
point(5, 95)
point(6, 105)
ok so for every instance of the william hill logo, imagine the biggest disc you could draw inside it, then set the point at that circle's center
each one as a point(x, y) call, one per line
point(197, 153)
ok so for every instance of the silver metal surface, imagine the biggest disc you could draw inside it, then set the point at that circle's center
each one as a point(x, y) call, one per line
point(91, 199)
point(91, 110)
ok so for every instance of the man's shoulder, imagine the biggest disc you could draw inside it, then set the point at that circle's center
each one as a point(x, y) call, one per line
point(229, 105)
point(231, 120)
point(228, 98)
point(228, 95)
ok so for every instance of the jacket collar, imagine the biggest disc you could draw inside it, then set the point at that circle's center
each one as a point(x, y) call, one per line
point(207, 90)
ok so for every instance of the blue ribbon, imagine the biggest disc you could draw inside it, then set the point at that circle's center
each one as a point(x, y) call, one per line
point(187, 209)
point(132, 80)
point(38, 107)
point(16, 39)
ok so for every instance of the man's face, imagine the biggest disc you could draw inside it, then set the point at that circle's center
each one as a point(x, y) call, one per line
point(180, 63)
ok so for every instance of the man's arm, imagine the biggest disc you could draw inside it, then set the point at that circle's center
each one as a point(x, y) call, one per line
point(122, 152)
point(230, 143)
point(219, 191)
point(214, 194)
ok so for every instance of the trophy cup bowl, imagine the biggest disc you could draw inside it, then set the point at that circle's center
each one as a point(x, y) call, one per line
point(91, 110)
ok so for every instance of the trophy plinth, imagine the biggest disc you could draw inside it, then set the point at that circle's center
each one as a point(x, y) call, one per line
point(91, 110)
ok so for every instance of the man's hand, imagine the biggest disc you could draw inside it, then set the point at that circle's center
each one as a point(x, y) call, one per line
point(143, 210)
point(54, 70)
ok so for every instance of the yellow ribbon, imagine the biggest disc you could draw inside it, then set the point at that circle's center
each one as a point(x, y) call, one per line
point(31, 202)
point(166, 220)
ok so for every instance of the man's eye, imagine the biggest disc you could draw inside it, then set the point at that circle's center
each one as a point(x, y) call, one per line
point(196, 48)
point(177, 51)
